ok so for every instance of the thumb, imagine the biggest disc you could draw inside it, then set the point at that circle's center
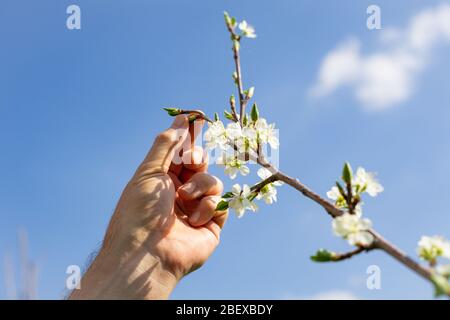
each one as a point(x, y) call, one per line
point(165, 145)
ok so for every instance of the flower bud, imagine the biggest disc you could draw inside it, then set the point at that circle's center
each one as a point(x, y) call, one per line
point(255, 112)
point(173, 111)
point(250, 92)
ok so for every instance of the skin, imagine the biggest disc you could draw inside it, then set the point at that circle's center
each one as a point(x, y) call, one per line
point(164, 226)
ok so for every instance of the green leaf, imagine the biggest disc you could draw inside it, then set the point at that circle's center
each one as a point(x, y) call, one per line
point(222, 205)
point(216, 116)
point(245, 121)
point(255, 112)
point(228, 195)
point(173, 111)
point(233, 22)
point(441, 285)
point(347, 173)
point(227, 18)
point(341, 189)
point(323, 255)
point(228, 115)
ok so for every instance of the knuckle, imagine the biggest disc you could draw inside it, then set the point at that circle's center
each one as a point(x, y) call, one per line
point(165, 137)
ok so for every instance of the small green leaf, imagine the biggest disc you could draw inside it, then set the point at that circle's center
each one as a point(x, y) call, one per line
point(228, 115)
point(228, 195)
point(245, 120)
point(222, 205)
point(323, 255)
point(441, 285)
point(216, 116)
point(227, 18)
point(173, 111)
point(347, 173)
point(233, 22)
point(341, 189)
point(255, 112)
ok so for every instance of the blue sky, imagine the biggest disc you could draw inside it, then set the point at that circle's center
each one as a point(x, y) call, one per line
point(79, 110)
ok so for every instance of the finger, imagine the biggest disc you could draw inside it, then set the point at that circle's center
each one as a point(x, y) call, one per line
point(201, 184)
point(165, 145)
point(195, 129)
point(188, 150)
point(198, 163)
point(206, 211)
point(195, 159)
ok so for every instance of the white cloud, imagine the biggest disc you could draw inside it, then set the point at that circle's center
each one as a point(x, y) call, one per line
point(327, 295)
point(386, 77)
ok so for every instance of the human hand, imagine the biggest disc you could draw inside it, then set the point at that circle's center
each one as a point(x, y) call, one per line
point(165, 224)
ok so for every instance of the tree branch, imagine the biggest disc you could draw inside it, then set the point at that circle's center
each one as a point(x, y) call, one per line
point(379, 241)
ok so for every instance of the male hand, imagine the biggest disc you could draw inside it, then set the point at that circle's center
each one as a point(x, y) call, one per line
point(165, 224)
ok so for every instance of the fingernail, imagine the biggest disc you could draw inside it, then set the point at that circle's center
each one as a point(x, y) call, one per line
point(179, 121)
point(195, 216)
point(189, 187)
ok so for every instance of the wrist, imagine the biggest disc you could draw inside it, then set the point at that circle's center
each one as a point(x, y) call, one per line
point(137, 275)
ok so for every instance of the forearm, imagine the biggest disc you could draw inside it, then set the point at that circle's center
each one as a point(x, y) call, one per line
point(136, 276)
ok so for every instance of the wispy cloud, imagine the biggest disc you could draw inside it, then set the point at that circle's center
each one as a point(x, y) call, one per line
point(386, 77)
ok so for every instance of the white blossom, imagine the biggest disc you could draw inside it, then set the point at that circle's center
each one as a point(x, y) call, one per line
point(251, 92)
point(267, 133)
point(243, 138)
point(215, 135)
point(268, 193)
point(233, 166)
point(247, 30)
point(338, 198)
point(234, 131)
point(430, 248)
point(353, 228)
point(367, 181)
point(265, 173)
point(240, 201)
point(443, 270)
point(358, 209)
point(334, 193)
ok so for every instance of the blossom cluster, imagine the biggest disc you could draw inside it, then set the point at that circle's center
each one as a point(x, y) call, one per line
point(239, 142)
point(431, 248)
point(351, 225)
point(241, 198)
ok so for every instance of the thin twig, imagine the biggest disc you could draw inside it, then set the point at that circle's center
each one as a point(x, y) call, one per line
point(350, 254)
point(257, 187)
point(237, 62)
